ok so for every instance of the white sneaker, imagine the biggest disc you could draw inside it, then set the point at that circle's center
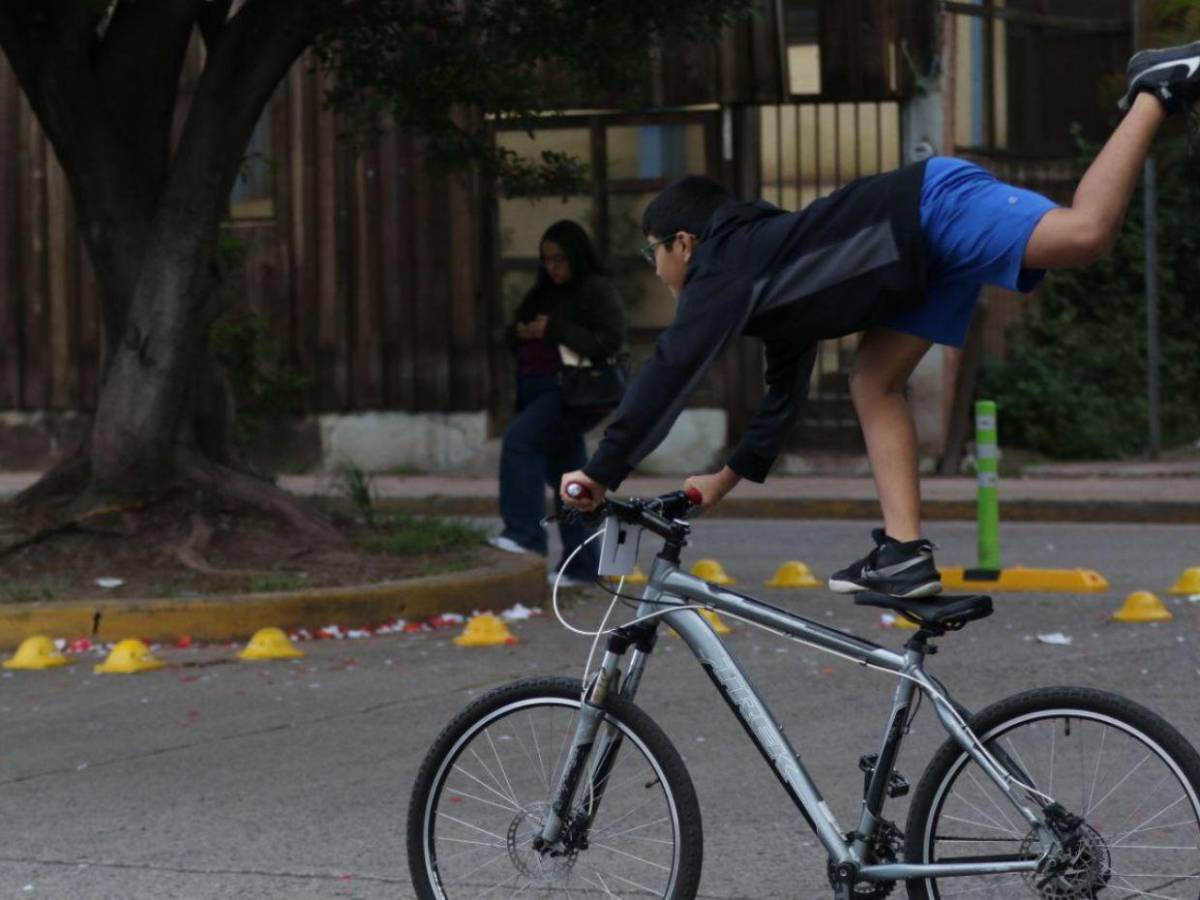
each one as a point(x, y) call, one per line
point(568, 581)
point(508, 545)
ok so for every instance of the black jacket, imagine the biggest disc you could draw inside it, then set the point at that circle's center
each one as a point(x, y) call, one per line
point(589, 317)
point(842, 264)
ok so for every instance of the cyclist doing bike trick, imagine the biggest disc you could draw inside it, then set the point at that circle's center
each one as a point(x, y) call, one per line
point(900, 256)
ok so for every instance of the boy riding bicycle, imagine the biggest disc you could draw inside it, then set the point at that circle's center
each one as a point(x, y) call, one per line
point(900, 256)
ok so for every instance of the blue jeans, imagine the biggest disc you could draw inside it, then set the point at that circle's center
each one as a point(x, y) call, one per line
point(543, 442)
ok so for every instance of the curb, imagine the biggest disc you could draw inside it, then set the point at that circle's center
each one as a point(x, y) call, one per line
point(512, 579)
point(1096, 511)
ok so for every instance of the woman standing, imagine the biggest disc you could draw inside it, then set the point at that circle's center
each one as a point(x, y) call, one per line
point(573, 305)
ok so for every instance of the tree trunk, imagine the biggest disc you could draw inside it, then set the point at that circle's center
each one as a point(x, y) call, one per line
point(148, 394)
point(151, 218)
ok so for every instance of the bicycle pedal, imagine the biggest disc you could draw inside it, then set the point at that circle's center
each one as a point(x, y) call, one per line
point(898, 785)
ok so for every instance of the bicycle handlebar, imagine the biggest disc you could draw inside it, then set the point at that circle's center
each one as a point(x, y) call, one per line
point(655, 515)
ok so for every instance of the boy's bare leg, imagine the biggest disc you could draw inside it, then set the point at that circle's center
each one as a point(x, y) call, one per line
point(1086, 230)
point(882, 367)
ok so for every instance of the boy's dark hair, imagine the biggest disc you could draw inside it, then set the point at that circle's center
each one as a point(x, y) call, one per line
point(686, 205)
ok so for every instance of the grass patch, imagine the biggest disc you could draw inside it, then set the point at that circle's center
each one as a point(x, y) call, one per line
point(19, 592)
point(277, 582)
point(413, 536)
point(445, 566)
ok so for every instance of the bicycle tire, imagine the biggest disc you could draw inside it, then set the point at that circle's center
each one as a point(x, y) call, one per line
point(1037, 715)
point(553, 694)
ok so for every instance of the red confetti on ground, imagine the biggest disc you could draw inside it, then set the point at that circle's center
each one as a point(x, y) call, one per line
point(79, 645)
point(184, 642)
point(456, 799)
point(510, 640)
point(413, 627)
point(188, 679)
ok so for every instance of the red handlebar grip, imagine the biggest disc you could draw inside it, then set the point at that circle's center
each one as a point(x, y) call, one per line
point(577, 490)
point(694, 496)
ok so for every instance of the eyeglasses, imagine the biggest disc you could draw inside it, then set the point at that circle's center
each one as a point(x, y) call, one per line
point(648, 249)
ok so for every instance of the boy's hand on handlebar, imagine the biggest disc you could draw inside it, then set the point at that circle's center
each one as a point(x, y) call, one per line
point(591, 497)
point(713, 487)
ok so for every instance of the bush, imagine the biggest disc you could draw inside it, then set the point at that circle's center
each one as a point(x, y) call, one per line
point(1074, 384)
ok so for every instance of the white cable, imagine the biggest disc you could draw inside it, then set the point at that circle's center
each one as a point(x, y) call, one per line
point(928, 688)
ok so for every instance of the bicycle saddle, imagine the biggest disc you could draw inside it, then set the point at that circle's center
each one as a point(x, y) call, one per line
point(944, 612)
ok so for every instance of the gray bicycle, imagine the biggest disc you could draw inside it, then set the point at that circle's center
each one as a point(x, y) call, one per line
point(554, 787)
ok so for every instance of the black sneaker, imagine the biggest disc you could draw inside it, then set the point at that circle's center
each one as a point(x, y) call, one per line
point(1171, 74)
point(897, 569)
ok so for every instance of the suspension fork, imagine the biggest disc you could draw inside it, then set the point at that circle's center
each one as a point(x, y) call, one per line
point(589, 740)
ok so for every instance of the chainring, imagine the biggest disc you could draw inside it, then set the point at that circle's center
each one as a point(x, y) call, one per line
point(885, 848)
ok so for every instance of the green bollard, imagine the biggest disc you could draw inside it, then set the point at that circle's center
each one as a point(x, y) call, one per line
point(987, 463)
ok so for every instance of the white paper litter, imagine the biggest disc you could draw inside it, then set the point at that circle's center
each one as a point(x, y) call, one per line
point(517, 613)
point(109, 583)
point(1054, 637)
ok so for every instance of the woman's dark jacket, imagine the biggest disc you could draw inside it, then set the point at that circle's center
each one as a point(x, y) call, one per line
point(588, 317)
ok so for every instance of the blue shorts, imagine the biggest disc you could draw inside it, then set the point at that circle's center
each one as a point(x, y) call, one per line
point(976, 228)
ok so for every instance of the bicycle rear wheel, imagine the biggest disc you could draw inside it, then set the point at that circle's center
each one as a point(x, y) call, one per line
point(1128, 774)
point(483, 789)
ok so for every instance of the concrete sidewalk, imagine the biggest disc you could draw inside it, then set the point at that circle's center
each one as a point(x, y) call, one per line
point(1149, 493)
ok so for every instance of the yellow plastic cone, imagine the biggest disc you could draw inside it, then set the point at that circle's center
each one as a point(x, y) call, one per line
point(638, 577)
point(129, 656)
point(1188, 583)
point(1142, 606)
point(270, 643)
point(36, 652)
point(485, 630)
point(713, 619)
point(793, 575)
point(710, 570)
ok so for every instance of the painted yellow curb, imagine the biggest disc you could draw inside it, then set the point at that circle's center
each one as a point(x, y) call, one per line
point(793, 575)
point(1018, 578)
point(508, 579)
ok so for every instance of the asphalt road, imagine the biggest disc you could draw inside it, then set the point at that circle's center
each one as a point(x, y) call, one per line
point(216, 779)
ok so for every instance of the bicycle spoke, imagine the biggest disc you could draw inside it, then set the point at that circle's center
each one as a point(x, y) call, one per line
point(486, 841)
point(1141, 823)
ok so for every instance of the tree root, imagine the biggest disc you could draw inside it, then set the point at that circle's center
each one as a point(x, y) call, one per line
point(263, 495)
point(190, 553)
point(66, 500)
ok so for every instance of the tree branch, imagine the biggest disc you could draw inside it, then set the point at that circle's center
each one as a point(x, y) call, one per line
point(141, 57)
point(255, 51)
point(50, 49)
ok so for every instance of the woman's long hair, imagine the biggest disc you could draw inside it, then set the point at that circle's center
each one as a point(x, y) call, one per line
point(576, 247)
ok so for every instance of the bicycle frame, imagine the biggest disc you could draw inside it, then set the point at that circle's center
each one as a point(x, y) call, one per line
point(668, 586)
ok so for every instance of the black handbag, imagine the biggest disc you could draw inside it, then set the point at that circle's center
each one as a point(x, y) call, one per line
point(595, 387)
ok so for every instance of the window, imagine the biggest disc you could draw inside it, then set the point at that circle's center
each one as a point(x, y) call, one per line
point(253, 195)
point(802, 38)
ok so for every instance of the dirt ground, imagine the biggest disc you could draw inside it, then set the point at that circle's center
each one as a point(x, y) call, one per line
point(175, 551)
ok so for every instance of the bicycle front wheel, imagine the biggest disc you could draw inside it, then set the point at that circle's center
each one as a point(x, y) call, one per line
point(1132, 779)
point(484, 789)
